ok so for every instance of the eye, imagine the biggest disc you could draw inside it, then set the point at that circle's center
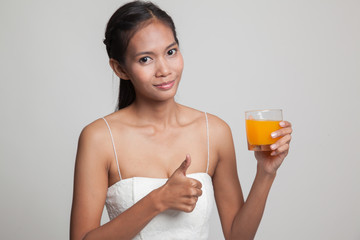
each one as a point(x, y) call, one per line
point(144, 59)
point(171, 52)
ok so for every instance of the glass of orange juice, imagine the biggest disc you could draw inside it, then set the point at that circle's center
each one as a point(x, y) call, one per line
point(259, 126)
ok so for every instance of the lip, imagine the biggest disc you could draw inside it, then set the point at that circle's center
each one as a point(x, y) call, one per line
point(166, 85)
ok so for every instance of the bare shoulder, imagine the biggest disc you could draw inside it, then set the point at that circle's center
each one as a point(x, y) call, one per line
point(219, 127)
point(94, 142)
point(98, 132)
point(94, 132)
point(218, 122)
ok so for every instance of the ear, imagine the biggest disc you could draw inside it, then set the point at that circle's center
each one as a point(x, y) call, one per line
point(118, 69)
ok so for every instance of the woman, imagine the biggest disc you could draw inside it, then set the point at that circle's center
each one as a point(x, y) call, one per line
point(133, 159)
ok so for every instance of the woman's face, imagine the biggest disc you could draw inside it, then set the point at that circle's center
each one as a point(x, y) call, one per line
point(153, 62)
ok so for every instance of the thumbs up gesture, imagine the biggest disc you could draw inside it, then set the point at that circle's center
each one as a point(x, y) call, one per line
point(183, 167)
point(180, 192)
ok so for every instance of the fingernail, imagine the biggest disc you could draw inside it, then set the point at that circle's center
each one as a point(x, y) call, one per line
point(273, 135)
point(273, 146)
point(272, 153)
point(282, 124)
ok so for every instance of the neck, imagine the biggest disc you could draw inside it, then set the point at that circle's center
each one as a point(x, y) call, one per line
point(159, 114)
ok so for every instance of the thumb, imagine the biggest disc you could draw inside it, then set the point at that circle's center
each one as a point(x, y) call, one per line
point(184, 165)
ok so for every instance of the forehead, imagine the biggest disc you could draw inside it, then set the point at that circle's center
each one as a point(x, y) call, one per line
point(152, 37)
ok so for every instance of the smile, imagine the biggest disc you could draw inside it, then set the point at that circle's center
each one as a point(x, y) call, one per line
point(166, 85)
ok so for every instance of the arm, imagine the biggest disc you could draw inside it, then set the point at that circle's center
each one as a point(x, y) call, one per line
point(247, 219)
point(240, 219)
point(90, 187)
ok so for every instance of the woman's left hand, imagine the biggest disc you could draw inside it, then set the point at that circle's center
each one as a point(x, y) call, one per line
point(270, 161)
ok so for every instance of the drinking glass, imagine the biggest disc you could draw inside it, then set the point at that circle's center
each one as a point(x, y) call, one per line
point(259, 126)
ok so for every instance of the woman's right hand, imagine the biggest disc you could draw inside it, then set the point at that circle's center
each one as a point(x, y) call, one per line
point(180, 192)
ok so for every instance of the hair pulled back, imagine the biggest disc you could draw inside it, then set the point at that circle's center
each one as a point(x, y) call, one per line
point(121, 27)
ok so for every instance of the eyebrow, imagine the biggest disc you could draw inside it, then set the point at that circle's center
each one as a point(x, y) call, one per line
point(146, 53)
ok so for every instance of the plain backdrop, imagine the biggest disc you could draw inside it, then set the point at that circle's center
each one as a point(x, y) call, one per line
point(302, 56)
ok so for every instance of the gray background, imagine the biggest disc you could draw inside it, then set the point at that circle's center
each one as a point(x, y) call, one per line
point(302, 56)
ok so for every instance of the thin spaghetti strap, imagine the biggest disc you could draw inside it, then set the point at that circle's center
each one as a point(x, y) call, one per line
point(208, 144)
point(112, 140)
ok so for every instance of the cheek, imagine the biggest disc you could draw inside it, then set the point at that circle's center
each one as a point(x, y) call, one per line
point(141, 73)
point(179, 65)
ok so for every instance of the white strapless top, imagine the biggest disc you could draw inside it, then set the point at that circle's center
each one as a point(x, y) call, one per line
point(171, 224)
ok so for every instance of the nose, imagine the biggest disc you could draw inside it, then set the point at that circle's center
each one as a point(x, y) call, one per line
point(162, 68)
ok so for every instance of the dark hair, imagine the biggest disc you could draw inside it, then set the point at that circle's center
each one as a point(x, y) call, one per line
point(121, 27)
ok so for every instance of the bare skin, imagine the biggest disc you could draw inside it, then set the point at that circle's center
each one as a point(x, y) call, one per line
point(173, 143)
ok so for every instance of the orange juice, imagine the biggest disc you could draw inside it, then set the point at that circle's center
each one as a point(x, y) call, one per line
point(259, 133)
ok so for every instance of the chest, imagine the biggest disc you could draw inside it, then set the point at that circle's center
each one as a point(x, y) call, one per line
point(147, 153)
